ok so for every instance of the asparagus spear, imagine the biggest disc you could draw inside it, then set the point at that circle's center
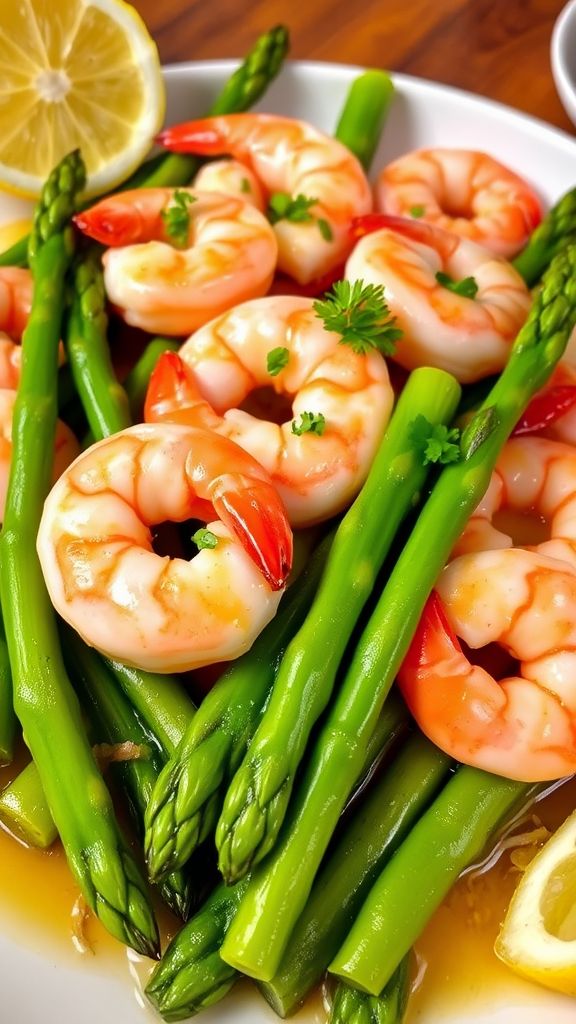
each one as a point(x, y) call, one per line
point(7, 716)
point(362, 119)
point(188, 796)
point(258, 796)
point(136, 383)
point(43, 697)
point(280, 887)
point(376, 828)
point(191, 974)
point(557, 230)
point(349, 1006)
point(103, 398)
point(242, 90)
point(114, 721)
point(446, 839)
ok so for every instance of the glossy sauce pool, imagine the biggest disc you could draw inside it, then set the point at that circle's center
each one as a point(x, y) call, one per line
point(37, 894)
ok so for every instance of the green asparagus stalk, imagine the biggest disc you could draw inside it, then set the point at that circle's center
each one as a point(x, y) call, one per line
point(557, 230)
point(349, 1006)
point(24, 811)
point(243, 89)
point(279, 888)
point(7, 716)
point(364, 114)
point(393, 804)
point(103, 398)
point(114, 721)
point(136, 383)
point(446, 839)
point(191, 974)
point(43, 696)
point(187, 798)
point(258, 796)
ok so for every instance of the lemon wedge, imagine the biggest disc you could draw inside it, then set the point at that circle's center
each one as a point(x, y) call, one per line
point(538, 936)
point(75, 73)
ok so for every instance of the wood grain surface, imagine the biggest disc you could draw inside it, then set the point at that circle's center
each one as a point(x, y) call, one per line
point(497, 48)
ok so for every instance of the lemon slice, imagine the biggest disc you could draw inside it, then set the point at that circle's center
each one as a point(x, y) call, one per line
point(538, 937)
point(75, 73)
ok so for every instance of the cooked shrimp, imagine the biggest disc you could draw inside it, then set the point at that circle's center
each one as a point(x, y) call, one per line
point(552, 411)
point(15, 304)
point(233, 179)
point(524, 600)
point(463, 191)
point(316, 474)
point(468, 337)
point(228, 254)
point(292, 157)
point(66, 446)
point(160, 613)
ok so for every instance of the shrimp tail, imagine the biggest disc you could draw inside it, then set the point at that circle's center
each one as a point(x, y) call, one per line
point(172, 393)
point(433, 641)
point(254, 512)
point(202, 136)
point(111, 223)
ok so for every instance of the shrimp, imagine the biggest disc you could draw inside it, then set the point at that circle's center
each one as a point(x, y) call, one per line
point(229, 255)
point(160, 613)
point(463, 191)
point(233, 179)
point(522, 599)
point(316, 473)
point(292, 157)
point(15, 305)
point(66, 446)
point(469, 337)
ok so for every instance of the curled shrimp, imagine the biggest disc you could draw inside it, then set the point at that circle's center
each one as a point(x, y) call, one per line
point(233, 179)
point(463, 191)
point(66, 446)
point(15, 304)
point(469, 337)
point(290, 156)
point(160, 613)
point(316, 473)
point(163, 284)
point(524, 601)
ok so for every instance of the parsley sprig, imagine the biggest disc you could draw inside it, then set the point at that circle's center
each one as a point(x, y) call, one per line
point(467, 287)
point(176, 217)
point(310, 423)
point(359, 313)
point(436, 441)
point(281, 206)
point(204, 538)
point(276, 360)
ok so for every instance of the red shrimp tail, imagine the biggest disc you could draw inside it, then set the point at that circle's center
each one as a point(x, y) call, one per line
point(172, 391)
point(201, 136)
point(433, 641)
point(545, 408)
point(253, 510)
point(112, 224)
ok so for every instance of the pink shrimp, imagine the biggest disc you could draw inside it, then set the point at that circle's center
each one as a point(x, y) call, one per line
point(522, 599)
point(316, 472)
point(469, 336)
point(15, 303)
point(290, 157)
point(160, 613)
point(171, 281)
point(463, 191)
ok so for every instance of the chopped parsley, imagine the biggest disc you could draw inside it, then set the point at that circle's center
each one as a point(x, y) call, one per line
point(467, 287)
point(204, 538)
point(176, 217)
point(359, 313)
point(310, 423)
point(276, 360)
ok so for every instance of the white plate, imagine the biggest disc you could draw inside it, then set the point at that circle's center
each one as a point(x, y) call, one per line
point(37, 985)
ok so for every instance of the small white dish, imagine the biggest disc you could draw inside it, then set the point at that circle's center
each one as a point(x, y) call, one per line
point(563, 58)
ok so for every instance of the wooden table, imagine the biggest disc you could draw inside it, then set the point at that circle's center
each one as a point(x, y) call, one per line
point(498, 48)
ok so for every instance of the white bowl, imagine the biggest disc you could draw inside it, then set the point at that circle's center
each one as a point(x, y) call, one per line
point(42, 978)
point(563, 57)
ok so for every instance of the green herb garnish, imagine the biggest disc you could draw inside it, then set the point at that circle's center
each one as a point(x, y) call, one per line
point(310, 423)
point(276, 360)
point(360, 314)
point(176, 217)
point(204, 538)
point(437, 442)
point(281, 206)
point(467, 287)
